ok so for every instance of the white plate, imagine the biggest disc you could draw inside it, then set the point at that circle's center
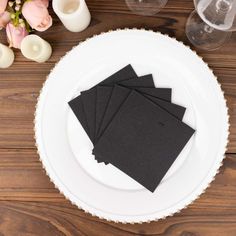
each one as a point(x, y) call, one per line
point(65, 150)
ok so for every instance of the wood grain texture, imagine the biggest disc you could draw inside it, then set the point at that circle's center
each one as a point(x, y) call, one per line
point(29, 203)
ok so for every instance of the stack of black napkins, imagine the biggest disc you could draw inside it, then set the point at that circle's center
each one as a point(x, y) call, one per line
point(133, 125)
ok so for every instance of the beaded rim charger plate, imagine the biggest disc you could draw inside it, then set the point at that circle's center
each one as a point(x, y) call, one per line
point(65, 149)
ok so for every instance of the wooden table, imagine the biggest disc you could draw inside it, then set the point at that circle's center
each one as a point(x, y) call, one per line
point(29, 203)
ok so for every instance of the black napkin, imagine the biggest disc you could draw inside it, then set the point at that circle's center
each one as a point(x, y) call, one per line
point(143, 140)
point(104, 94)
point(120, 94)
point(77, 106)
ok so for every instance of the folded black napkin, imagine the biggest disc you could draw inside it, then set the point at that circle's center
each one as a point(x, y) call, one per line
point(118, 97)
point(133, 125)
point(77, 106)
point(104, 94)
point(143, 140)
point(90, 99)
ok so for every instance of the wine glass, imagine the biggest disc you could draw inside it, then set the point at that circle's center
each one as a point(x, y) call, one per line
point(146, 7)
point(211, 24)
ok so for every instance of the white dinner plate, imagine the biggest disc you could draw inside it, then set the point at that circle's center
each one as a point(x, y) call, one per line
point(65, 149)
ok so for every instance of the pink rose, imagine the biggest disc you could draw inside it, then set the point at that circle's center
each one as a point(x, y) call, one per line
point(3, 5)
point(5, 18)
point(15, 35)
point(36, 14)
point(45, 2)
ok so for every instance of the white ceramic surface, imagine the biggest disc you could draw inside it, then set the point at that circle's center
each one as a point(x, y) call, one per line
point(65, 149)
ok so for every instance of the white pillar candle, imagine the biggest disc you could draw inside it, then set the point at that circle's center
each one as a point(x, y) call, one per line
point(6, 56)
point(74, 14)
point(35, 48)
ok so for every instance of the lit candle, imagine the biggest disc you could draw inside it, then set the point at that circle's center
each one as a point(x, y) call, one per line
point(35, 48)
point(6, 56)
point(74, 14)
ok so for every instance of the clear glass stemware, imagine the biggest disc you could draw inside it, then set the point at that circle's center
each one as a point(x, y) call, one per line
point(146, 7)
point(211, 24)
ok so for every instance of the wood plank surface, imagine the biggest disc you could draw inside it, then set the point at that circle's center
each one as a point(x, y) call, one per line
point(29, 203)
